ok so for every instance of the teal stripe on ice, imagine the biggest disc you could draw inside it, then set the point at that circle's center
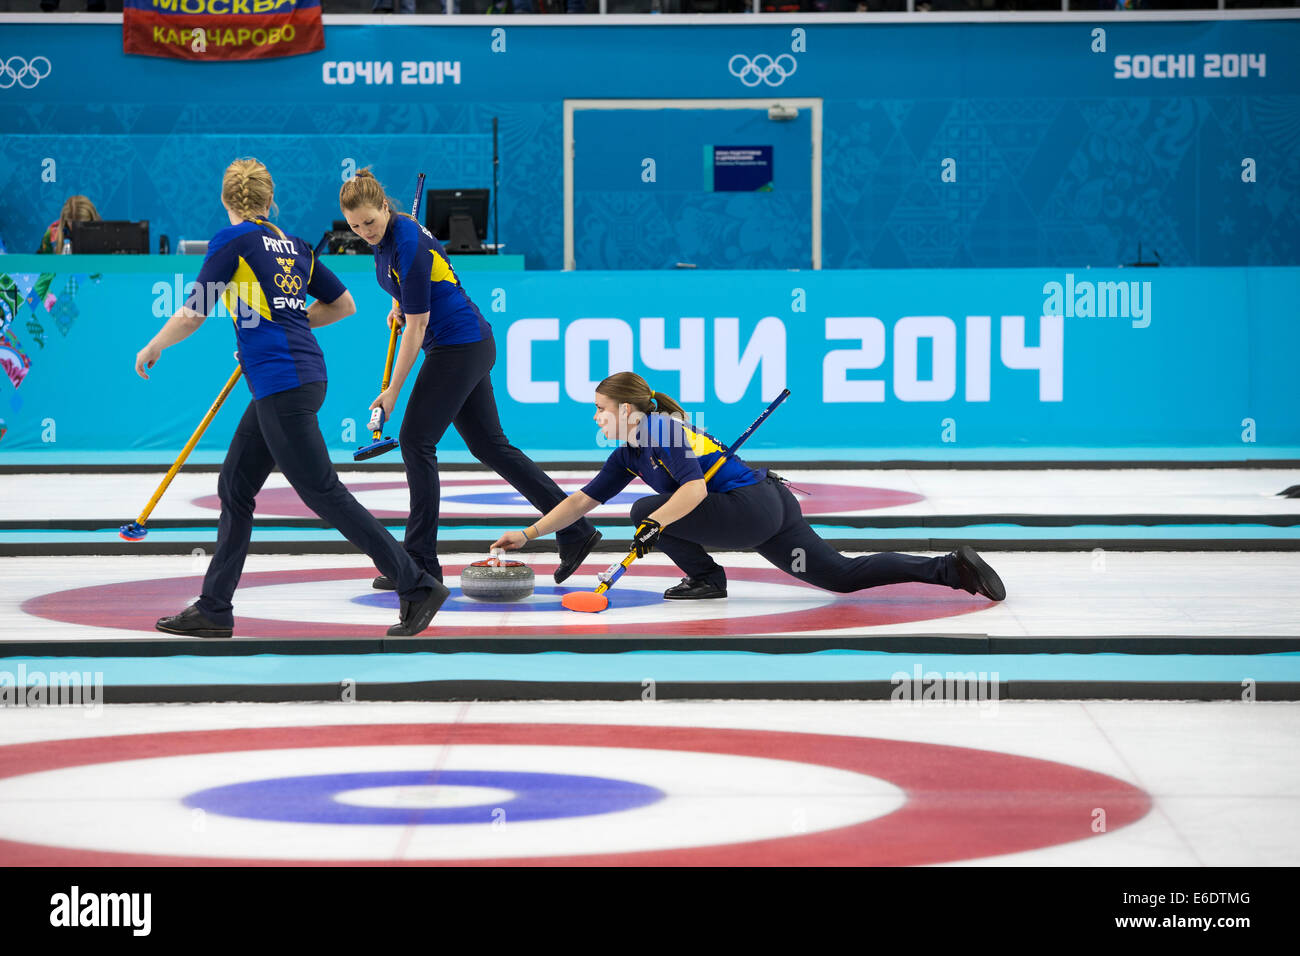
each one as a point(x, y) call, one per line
point(661, 666)
point(1175, 532)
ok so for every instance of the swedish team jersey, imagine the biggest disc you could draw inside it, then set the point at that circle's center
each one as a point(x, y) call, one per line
point(264, 277)
point(412, 267)
point(667, 455)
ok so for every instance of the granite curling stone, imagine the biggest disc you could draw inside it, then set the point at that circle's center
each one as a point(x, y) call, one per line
point(496, 581)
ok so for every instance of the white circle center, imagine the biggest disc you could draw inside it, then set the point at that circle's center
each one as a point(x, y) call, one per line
point(424, 797)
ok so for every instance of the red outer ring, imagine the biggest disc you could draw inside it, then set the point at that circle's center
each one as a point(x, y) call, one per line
point(135, 605)
point(961, 803)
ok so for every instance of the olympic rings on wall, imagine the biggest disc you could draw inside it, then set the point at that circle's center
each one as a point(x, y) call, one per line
point(762, 68)
point(17, 70)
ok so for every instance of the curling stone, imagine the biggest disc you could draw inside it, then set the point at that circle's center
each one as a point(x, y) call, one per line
point(496, 581)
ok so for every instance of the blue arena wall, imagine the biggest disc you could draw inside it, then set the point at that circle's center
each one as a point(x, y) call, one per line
point(935, 328)
point(924, 363)
point(1072, 142)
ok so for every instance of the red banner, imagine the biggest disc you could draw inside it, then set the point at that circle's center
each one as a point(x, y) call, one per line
point(221, 30)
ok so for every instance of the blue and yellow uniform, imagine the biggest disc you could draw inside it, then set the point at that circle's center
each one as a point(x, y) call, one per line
point(667, 455)
point(745, 508)
point(412, 266)
point(264, 277)
point(454, 387)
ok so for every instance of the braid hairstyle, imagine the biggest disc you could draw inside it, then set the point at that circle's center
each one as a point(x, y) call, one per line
point(633, 389)
point(247, 188)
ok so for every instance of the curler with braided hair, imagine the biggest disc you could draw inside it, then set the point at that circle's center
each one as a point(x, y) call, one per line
point(247, 188)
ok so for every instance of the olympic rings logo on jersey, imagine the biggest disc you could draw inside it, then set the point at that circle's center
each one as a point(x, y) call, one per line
point(17, 70)
point(288, 284)
point(762, 68)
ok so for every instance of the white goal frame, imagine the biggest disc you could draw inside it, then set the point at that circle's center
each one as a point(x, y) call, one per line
point(812, 104)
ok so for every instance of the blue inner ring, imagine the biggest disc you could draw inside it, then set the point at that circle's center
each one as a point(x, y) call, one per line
point(624, 597)
point(537, 796)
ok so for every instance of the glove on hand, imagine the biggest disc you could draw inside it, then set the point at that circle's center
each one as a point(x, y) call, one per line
point(647, 533)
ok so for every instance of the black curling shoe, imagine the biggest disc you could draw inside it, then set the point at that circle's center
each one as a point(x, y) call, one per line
point(976, 576)
point(192, 622)
point(416, 616)
point(693, 589)
point(572, 562)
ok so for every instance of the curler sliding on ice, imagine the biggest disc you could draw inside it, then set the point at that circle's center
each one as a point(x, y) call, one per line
point(707, 500)
point(593, 601)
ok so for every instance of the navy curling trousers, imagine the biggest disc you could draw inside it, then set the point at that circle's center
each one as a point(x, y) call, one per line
point(765, 517)
point(281, 430)
point(454, 387)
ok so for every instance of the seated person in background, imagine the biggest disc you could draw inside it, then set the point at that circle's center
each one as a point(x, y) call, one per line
point(76, 209)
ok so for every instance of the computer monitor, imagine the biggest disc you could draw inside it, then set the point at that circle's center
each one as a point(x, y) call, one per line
point(341, 240)
point(109, 236)
point(458, 217)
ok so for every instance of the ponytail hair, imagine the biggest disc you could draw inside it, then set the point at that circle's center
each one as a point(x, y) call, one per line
point(247, 188)
point(633, 389)
point(363, 189)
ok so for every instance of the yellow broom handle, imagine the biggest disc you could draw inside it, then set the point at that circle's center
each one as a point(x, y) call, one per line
point(713, 470)
point(388, 369)
point(189, 446)
point(631, 555)
point(388, 362)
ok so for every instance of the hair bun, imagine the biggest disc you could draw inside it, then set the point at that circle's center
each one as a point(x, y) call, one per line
point(363, 173)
